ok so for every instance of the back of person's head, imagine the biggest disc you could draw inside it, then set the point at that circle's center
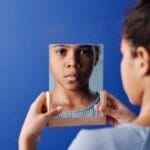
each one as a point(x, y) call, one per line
point(137, 25)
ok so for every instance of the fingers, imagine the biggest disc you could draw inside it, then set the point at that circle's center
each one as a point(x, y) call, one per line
point(102, 102)
point(108, 111)
point(112, 101)
point(39, 102)
point(40, 98)
point(51, 114)
point(108, 107)
point(108, 100)
point(54, 112)
point(103, 98)
point(112, 121)
point(48, 98)
point(105, 110)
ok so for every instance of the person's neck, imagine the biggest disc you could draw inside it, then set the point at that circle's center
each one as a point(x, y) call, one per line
point(144, 116)
point(72, 99)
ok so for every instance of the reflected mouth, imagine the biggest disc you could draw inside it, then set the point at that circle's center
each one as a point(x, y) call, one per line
point(71, 77)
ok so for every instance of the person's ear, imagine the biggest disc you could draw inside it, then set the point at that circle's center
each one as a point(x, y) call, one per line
point(143, 60)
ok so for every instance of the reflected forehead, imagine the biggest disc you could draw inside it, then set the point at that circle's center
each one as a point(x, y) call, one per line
point(70, 45)
point(59, 45)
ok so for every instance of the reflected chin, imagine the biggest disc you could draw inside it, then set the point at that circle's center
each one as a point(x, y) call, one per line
point(72, 87)
point(76, 86)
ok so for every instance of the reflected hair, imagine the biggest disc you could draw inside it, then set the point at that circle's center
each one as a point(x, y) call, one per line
point(97, 53)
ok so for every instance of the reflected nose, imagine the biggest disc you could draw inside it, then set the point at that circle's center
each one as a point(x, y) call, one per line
point(73, 62)
point(69, 65)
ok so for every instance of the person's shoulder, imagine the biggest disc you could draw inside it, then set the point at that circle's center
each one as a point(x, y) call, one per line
point(136, 129)
point(113, 138)
point(137, 134)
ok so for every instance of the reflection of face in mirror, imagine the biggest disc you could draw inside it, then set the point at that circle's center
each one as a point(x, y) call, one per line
point(71, 66)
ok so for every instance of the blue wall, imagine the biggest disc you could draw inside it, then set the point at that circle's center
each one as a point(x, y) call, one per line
point(26, 29)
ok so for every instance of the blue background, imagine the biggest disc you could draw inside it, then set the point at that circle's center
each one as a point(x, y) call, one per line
point(26, 29)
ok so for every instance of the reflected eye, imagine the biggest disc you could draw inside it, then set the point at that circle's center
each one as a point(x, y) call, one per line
point(61, 52)
point(86, 52)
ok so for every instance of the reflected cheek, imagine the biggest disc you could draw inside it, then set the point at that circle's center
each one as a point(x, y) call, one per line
point(56, 69)
point(86, 60)
point(88, 67)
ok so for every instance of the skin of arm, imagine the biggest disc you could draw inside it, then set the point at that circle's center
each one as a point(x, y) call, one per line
point(35, 122)
point(115, 111)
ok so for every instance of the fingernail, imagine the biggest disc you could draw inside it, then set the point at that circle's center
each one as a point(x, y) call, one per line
point(59, 108)
point(42, 93)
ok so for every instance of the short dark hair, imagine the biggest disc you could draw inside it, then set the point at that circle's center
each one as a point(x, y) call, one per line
point(136, 27)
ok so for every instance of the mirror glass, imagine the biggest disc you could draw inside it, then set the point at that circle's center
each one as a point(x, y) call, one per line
point(75, 80)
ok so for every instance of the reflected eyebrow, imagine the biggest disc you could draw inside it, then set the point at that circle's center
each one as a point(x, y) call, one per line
point(61, 45)
point(87, 46)
point(65, 45)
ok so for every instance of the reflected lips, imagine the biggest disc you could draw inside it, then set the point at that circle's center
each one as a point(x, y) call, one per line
point(71, 77)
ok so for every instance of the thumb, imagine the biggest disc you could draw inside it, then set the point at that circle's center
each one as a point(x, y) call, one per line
point(112, 121)
point(109, 111)
point(53, 112)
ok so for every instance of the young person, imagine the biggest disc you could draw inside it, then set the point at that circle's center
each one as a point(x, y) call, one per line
point(135, 69)
point(71, 66)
